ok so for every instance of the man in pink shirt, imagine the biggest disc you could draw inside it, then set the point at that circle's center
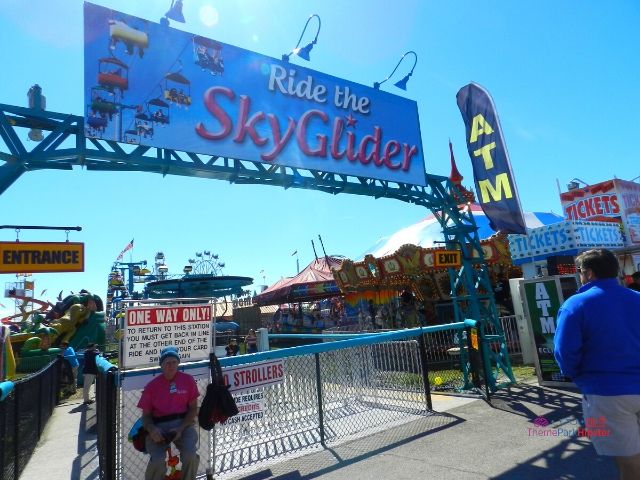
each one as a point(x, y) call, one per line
point(169, 406)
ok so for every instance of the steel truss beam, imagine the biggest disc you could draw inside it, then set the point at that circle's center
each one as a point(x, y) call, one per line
point(64, 146)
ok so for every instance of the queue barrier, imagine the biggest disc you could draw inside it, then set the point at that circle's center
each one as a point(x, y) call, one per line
point(25, 408)
point(329, 393)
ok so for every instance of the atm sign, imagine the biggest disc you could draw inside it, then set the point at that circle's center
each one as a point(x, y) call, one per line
point(447, 258)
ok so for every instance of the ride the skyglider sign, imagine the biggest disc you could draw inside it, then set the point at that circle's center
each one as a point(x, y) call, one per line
point(149, 84)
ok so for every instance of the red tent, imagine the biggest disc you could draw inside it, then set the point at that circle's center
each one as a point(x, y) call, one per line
point(314, 282)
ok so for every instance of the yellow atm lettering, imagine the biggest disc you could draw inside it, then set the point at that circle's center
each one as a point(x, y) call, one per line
point(488, 190)
point(486, 154)
point(479, 127)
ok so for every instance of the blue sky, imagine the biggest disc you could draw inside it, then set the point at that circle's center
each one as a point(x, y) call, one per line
point(563, 76)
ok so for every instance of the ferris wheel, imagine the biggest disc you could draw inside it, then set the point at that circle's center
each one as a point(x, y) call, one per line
point(205, 263)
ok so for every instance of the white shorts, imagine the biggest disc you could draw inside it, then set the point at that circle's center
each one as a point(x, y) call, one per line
point(613, 424)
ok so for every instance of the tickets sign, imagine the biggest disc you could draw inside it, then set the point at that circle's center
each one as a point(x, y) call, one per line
point(564, 238)
point(616, 201)
point(41, 257)
point(150, 329)
point(244, 377)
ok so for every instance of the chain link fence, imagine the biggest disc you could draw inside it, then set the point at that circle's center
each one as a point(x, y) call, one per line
point(326, 394)
point(326, 398)
point(23, 416)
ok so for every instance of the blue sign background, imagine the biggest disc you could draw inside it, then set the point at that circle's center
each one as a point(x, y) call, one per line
point(151, 51)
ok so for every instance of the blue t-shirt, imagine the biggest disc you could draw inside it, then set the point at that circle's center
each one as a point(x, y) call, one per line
point(70, 355)
point(597, 340)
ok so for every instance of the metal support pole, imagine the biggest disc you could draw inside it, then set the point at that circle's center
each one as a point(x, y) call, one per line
point(483, 354)
point(319, 391)
point(425, 370)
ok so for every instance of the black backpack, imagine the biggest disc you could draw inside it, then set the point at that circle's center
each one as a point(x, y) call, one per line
point(218, 404)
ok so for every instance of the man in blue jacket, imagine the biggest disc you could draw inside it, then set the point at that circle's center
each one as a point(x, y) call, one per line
point(597, 345)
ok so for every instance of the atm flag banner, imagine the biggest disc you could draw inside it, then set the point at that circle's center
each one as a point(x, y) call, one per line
point(495, 184)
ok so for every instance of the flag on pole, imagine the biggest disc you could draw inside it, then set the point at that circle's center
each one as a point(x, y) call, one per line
point(495, 184)
point(124, 250)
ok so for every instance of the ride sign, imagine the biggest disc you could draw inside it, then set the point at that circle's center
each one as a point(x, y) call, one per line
point(149, 329)
point(148, 84)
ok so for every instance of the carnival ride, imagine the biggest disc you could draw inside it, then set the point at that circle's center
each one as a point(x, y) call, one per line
point(308, 302)
point(77, 319)
point(109, 116)
point(201, 278)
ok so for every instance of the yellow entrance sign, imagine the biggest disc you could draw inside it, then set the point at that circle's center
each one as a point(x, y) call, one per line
point(41, 257)
point(447, 258)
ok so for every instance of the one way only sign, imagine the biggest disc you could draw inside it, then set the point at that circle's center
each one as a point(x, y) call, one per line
point(149, 329)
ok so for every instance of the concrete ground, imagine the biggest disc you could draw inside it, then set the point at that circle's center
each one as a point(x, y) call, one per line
point(67, 447)
point(467, 439)
point(472, 440)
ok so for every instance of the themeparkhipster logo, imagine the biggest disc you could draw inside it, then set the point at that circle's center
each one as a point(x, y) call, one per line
point(569, 427)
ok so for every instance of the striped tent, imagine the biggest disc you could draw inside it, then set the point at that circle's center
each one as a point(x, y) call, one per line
point(427, 231)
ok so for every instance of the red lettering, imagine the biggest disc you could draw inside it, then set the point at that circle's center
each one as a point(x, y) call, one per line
point(614, 203)
point(374, 156)
point(338, 126)
point(248, 126)
point(390, 149)
point(597, 204)
point(321, 150)
point(370, 148)
point(279, 142)
point(408, 153)
point(213, 107)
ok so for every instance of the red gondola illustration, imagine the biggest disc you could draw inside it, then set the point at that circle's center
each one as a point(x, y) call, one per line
point(113, 74)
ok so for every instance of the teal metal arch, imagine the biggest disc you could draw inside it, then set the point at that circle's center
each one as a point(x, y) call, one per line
point(64, 146)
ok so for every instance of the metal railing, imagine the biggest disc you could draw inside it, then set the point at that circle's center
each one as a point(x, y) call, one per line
point(106, 417)
point(23, 415)
point(441, 343)
point(329, 393)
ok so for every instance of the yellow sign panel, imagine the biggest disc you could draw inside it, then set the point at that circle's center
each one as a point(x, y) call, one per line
point(447, 258)
point(474, 338)
point(41, 257)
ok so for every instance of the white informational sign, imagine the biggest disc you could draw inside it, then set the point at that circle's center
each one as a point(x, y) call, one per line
point(149, 329)
point(244, 377)
point(250, 407)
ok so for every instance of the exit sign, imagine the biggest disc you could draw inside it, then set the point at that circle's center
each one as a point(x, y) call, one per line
point(447, 258)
